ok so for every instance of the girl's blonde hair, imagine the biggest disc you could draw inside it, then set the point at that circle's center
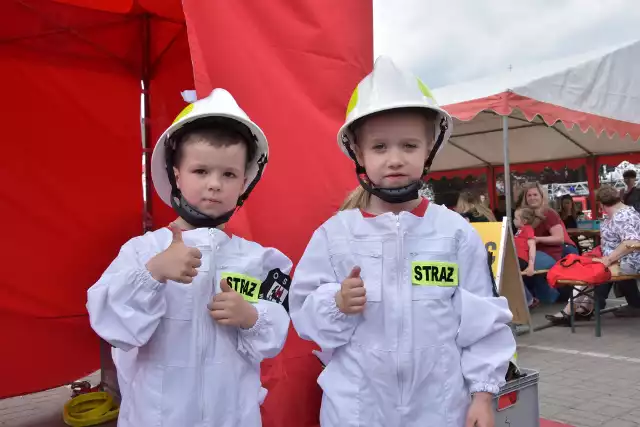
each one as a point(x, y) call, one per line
point(529, 216)
point(468, 201)
point(357, 199)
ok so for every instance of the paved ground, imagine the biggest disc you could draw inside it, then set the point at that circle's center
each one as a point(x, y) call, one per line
point(587, 381)
point(39, 409)
point(584, 381)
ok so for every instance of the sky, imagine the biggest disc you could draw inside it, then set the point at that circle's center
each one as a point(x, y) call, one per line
point(451, 41)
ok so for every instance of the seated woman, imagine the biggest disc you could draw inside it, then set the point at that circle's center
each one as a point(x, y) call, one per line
point(619, 233)
point(569, 215)
point(552, 240)
point(472, 209)
point(568, 212)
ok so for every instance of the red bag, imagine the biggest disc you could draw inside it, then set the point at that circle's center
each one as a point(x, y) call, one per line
point(594, 253)
point(581, 268)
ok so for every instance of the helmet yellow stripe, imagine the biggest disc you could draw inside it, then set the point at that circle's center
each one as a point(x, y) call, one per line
point(425, 89)
point(183, 113)
point(353, 101)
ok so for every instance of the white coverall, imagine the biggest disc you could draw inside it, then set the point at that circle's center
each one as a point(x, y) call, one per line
point(418, 351)
point(186, 370)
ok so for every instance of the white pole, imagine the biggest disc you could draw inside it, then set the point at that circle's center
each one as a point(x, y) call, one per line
point(507, 172)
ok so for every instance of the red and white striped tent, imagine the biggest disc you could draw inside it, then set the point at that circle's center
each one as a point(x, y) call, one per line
point(584, 107)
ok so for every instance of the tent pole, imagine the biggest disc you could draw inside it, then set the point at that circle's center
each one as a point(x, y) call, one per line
point(147, 223)
point(108, 370)
point(507, 172)
point(491, 187)
point(593, 177)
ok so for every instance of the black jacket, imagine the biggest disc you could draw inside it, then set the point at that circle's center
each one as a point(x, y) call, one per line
point(632, 198)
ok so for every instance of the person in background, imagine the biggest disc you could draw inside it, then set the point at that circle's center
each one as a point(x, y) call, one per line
point(618, 231)
point(568, 212)
point(631, 196)
point(501, 210)
point(472, 209)
point(569, 215)
point(551, 238)
point(525, 243)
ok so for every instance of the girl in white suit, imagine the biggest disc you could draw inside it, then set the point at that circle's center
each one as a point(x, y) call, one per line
point(398, 289)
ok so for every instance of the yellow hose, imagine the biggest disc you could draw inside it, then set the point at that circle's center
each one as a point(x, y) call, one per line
point(90, 409)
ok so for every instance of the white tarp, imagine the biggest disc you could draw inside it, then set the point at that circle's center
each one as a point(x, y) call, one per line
point(582, 97)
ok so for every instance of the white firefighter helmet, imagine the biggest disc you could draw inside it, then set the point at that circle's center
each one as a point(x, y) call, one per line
point(386, 88)
point(219, 103)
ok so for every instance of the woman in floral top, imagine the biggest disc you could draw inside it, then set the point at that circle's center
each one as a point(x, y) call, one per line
point(619, 233)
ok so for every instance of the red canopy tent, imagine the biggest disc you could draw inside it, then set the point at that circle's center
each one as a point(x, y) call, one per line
point(71, 84)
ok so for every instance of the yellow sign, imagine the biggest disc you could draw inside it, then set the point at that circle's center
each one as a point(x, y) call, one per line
point(498, 240)
point(246, 286)
point(491, 235)
point(434, 273)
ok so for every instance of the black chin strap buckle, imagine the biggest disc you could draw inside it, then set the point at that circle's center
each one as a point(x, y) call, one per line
point(262, 161)
point(444, 126)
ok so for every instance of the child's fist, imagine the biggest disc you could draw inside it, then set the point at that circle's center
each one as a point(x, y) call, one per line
point(230, 308)
point(352, 296)
point(178, 262)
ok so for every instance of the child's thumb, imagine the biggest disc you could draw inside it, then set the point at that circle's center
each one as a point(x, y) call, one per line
point(355, 272)
point(224, 286)
point(176, 233)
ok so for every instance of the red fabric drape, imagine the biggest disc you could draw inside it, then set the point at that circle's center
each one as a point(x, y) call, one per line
point(292, 66)
point(72, 193)
point(71, 197)
point(172, 75)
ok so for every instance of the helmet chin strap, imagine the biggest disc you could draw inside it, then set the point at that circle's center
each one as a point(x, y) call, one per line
point(193, 216)
point(391, 195)
point(400, 194)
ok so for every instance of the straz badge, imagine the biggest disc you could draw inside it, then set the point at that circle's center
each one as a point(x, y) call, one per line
point(247, 286)
point(434, 273)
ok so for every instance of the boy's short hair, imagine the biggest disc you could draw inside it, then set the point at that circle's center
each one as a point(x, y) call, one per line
point(629, 174)
point(215, 131)
point(608, 196)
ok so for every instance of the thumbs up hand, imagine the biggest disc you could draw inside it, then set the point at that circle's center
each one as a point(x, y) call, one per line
point(352, 296)
point(178, 262)
point(231, 309)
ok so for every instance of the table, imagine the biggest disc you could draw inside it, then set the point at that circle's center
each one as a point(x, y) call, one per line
point(588, 233)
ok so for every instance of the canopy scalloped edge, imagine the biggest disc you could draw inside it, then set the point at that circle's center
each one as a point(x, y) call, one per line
point(506, 102)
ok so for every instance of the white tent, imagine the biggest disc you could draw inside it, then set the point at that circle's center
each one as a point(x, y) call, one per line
point(582, 106)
